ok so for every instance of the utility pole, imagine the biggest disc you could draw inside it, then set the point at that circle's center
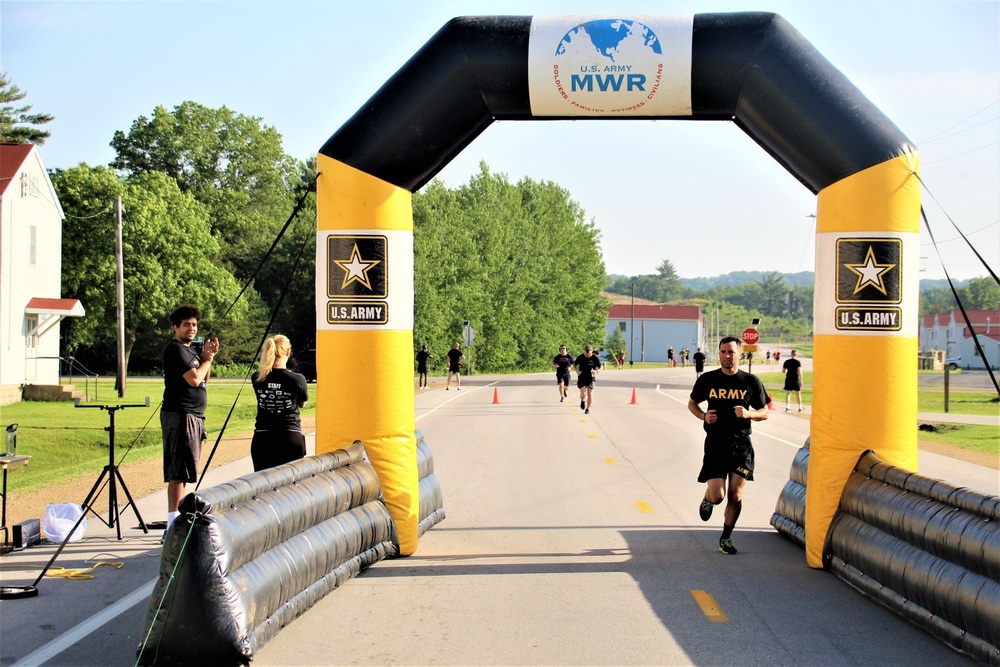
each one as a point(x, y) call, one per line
point(120, 285)
point(631, 332)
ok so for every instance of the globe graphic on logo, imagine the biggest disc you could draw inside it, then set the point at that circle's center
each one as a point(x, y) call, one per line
point(611, 38)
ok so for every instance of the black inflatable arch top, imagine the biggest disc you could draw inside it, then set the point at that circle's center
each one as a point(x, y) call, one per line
point(753, 68)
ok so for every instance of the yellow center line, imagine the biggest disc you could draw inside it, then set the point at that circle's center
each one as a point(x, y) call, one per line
point(610, 462)
point(592, 436)
point(709, 606)
point(644, 507)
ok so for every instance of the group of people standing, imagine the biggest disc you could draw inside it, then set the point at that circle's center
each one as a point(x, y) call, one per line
point(681, 355)
point(456, 359)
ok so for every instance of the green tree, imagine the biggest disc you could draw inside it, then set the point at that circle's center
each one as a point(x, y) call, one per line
point(981, 294)
point(169, 257)
point(614, 343)
point(518, 261)
point(233, 164)
point(17, 123)
point(774, 295)
point(672, 287)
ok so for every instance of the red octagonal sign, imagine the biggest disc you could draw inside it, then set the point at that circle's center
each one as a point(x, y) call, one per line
point(751, 336)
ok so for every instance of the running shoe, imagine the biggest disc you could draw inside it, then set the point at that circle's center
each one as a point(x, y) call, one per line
point(587, 411)
point(583, 405)
point(705, 510)
point(726, 546)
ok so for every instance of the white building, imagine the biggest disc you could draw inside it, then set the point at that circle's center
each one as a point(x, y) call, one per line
point(30, 273)
point(650, 330)
point(948, 331)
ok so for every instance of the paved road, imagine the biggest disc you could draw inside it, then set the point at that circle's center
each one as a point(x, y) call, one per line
point(571, 539)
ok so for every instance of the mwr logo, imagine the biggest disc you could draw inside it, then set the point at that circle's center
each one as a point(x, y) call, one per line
point(612, 66)
point(869, 271)
point(358, 266)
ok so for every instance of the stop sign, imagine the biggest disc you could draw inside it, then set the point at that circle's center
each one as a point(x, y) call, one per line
point(751, 336)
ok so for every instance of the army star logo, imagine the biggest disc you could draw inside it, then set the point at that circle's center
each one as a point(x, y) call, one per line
point(356, 269)
point(870, 273)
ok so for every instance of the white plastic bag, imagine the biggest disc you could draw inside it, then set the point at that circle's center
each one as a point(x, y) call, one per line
point(59, 520)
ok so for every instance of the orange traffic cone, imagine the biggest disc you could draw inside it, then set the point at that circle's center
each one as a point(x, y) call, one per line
point(633, 401)
point(496, 396)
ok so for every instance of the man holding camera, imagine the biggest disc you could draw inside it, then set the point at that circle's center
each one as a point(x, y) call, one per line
point(182, 415)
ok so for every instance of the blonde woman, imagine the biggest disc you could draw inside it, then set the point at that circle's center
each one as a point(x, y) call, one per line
point(277, 436)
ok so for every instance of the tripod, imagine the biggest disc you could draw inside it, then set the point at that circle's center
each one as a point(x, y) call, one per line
point(113, 475)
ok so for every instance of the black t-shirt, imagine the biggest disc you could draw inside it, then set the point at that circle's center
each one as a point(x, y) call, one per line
point(699, 359)
point(278, 398)
point(585, 365)
point(422, 356)
point(454, 359)
point(562, 362)
point(178, 395)
point(723, 393)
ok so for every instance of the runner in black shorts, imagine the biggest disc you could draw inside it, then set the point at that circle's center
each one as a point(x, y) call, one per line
point(735, 398)
point(586, 365)
point(561, 363)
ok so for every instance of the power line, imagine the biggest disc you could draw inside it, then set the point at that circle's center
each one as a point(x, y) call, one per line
point(933, 136)
point(974, 150)
point(955, 134)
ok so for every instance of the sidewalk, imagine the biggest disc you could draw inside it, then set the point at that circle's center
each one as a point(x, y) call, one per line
point(952, 418)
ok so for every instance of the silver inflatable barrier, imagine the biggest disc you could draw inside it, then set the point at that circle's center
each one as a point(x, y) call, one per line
point(789, 516)
point(928, 550)
point(247, 557)
point(431, 500)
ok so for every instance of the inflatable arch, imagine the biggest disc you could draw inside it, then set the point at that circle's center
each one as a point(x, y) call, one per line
point(753, 69)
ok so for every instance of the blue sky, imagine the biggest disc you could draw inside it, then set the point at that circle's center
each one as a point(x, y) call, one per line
point(702, 195)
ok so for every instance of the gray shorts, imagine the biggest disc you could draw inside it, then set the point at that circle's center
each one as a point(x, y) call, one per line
point(182, 436)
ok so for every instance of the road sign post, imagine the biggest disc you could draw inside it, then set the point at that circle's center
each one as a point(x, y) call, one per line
point(469, 336)
point(750, 337)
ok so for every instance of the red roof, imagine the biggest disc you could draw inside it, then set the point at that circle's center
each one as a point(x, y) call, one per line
point(41, 305)
point(620, 311)
point(12, 156)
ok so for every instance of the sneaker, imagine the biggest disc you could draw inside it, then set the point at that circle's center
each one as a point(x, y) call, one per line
point(583, 405)
point(705, 510)
point(447, 388)
point(726, 546)
point(458, 389)
point(562, 398)
point(802, 409)
point(787, 410)
point(587, 411)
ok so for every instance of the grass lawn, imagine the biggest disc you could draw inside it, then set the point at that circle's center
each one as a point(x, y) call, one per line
point(972, 437)
point(65, 442)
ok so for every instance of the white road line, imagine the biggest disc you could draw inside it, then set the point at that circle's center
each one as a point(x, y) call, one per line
point(455, 397)
point(70, 637)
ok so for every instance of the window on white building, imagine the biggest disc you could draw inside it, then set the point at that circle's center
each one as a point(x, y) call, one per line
point(31, 326)
point(32, 245)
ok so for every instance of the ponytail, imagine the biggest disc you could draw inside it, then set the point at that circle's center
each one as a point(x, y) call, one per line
point(274, 347)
